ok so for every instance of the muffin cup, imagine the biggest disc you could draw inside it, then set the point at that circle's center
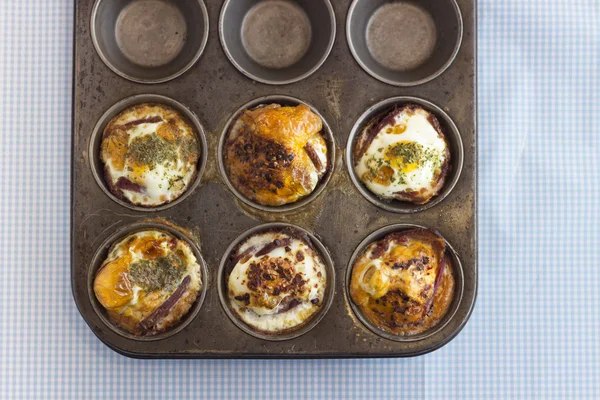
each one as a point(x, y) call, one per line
point(96, 141)
point(404, 43)
point(454, 306)
point(290, 334)
point(100, 256)
point(149, 41)
point(452, 136)
point(284, 101)
point(277, 41)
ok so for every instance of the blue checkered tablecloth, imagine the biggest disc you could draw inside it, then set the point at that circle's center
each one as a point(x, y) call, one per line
point(535, 332)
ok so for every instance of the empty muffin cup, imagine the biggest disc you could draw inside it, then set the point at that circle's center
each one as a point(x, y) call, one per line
point(149, 41)
point(404, 43)
point(103, 251)
point(283, 101)
point(453, 139)
point(94, 150)
point(277, 41)
point(457, 273)
point(276, 249)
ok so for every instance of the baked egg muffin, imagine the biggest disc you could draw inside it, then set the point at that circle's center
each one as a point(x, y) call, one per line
point(276, 155)
point(276, 281)
point(403, 155)
point(404, 283)
point(150, 154)
point(148, 282)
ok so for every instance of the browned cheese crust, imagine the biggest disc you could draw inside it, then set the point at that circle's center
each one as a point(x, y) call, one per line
point(271, 155)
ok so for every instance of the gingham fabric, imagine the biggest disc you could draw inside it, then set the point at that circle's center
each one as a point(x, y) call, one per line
point(535, 332)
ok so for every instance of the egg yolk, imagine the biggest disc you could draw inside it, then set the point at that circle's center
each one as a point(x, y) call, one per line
point(397, 129)
point(112, 285)
point(149, 248)
point(382, 176)
point(404, 156)
point(115, 149)
point(137, 173)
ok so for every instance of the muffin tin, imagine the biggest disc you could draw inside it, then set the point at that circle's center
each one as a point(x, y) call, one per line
point(210, 79)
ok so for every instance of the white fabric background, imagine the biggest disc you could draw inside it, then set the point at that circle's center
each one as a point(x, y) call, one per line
point(535, 332)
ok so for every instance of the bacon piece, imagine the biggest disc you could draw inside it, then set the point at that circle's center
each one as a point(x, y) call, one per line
point(370, 132)
point(314, 157)
point(149, 120)
point(273, 245)
point(287, 305)
point(235, 259)
point(436, 285)
point(379, 249)
point(125, 184)
point(163, 310)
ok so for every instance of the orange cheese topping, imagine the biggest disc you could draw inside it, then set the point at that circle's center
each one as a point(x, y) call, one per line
point(268, 158)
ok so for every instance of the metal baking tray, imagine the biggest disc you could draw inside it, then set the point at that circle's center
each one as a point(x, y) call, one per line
point(211, 217)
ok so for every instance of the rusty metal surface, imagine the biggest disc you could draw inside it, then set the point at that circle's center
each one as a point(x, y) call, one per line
point(214, 89)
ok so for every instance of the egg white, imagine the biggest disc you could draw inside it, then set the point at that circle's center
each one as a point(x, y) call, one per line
point(270, 320)
point(418, 130)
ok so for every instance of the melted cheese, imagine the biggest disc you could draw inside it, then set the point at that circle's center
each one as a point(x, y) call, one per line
point(415, 282)
point(394, 281)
